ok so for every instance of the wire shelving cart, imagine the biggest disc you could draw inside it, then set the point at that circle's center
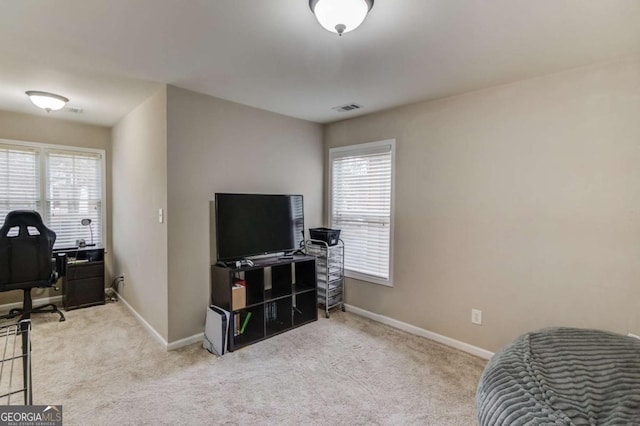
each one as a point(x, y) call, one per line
point(330, 270)
point(15, 349)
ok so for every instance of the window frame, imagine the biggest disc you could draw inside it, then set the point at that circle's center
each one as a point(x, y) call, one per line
point(38, 165)
point(354, 150)
point(42, 149)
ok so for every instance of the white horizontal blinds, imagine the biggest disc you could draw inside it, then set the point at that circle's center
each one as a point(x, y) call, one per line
point(361, 207)
point(297, 209)
point(74, 192)
point(19, 179)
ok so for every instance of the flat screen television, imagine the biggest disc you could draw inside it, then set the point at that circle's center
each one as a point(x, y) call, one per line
point(256, 224)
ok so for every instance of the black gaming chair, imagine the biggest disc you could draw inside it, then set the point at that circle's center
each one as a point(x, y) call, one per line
point(26, 260)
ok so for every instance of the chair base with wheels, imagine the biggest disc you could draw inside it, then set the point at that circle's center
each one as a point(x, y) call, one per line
point(26, 311)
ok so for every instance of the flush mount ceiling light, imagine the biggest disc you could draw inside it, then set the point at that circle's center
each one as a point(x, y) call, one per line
point(340, 16)
point(47, 101)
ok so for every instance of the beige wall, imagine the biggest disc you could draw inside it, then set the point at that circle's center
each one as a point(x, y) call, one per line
point(521, 200)
point(140, 189)
point(32, 128)
point(220, 146)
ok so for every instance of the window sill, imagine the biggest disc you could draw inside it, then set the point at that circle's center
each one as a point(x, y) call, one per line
point(368, 278)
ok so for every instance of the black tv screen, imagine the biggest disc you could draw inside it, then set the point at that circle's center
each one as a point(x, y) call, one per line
point(255, 224)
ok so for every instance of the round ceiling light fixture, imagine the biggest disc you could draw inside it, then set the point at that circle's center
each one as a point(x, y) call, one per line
point(340, 16)
point(47, 101)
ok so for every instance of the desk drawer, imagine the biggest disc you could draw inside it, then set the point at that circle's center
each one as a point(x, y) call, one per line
point(85, 270)
point(81, 293)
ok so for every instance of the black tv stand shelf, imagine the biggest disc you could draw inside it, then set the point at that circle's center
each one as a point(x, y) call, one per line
point(278, 295)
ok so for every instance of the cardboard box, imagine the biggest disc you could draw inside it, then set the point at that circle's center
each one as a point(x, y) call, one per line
point(238, 297)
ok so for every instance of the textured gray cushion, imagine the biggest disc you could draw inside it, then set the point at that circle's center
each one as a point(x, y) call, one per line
point(562, 376)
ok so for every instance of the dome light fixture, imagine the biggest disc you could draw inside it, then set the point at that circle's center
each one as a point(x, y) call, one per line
point(47, 101)
point(340, 16)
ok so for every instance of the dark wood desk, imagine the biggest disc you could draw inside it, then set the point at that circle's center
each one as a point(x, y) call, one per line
point(83, 284)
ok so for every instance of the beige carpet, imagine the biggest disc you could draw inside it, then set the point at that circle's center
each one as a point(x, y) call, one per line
point(105, 369)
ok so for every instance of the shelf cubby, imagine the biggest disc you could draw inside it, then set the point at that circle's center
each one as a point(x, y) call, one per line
point(278, 315)
point(305, 275)
point(254, 329)
point(305, 308)
point(280, 281)
point(254, 279)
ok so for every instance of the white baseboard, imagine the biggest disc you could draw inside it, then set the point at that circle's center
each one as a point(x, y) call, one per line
point(186, 341)
point(144, 322)
point(465, 347)
point(168, 346)
point(36, 302)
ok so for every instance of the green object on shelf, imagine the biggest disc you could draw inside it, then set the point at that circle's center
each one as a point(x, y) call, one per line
point(244, 324)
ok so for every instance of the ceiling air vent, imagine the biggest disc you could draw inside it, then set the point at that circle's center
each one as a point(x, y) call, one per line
point(74, 110)
point(347, 107)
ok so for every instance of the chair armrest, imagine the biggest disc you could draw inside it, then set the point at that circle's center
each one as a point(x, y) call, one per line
point(61, 264)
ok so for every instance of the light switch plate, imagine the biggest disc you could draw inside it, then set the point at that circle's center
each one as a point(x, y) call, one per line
point(476, 316)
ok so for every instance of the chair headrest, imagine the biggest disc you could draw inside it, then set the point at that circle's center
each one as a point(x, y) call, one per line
point(23, 219)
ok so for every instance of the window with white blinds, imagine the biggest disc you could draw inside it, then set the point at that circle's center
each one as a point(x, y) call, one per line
point(362, 207)
point(65, 186)
point(297, 209)
point(74, 192)
point(19, 179)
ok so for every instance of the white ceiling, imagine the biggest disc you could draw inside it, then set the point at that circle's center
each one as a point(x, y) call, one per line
point(105, 55)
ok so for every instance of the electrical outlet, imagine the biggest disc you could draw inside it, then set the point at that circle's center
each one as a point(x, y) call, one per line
point(118, 282)
point(476, 316)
